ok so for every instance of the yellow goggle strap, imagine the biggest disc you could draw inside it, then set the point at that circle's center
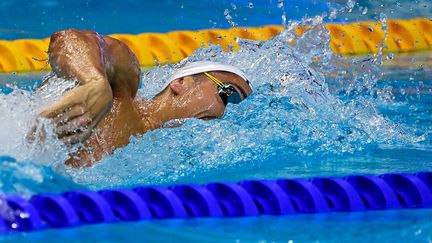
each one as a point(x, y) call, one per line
point(214, 79)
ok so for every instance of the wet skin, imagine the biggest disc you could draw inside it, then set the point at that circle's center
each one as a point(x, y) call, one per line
point(103, 112)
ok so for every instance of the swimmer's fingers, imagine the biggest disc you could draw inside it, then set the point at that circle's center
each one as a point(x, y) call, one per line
point(78, 116)
point(92, 98)
point(80, 136)
point(77, 125)
point(79, 129)
point(69, 100)
point(80, 110)
point(77, 135)
point(69, 114)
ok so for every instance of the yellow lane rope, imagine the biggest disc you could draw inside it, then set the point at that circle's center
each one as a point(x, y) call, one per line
point(355, 38)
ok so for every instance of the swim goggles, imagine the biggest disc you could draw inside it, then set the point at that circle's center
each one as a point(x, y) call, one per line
point(227, 92)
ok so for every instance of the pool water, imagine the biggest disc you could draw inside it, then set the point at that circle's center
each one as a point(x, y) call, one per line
point(131, 16)
point(39, 18)
point(378, 226)
point(313, 113)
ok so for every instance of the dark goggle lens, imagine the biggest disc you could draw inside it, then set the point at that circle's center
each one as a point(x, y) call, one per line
point(229, 94)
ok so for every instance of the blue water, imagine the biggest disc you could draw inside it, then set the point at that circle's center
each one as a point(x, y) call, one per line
point(380, 226)
point(38, 19)
point(313, 113)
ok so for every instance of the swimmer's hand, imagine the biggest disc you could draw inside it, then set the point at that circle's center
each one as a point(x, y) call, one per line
point(80, 110)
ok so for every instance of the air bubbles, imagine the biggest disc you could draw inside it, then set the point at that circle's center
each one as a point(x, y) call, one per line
point(250, 5)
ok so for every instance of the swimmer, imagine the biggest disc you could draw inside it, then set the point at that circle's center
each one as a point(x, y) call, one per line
point(102, 111)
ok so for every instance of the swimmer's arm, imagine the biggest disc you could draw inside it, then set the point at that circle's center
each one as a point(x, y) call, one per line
point(80, 55)
point(105, 69)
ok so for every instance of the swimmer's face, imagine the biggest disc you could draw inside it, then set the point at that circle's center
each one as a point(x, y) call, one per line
point(199, 96)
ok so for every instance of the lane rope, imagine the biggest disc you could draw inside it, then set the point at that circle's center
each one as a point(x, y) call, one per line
point(355, 38)
point(220, 199)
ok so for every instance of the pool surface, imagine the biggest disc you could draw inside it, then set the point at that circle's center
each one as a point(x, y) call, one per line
point(313, 113)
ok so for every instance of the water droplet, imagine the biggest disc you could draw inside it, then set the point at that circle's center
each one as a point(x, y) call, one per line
point(233, 6)
point(390, 55)
point(333, 14)
point(229, 18)
point(350, 5)
point(280, 4)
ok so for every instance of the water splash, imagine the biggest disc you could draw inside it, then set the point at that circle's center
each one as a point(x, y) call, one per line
point(308, 104)
point(30, 139)
point(20, 119)
point(291, 114)
point(281, 6)
point(229, 18)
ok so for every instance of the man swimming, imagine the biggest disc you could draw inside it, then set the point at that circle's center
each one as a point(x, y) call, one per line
point(101, 111)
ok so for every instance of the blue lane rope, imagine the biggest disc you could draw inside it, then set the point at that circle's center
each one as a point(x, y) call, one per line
point(220, 199)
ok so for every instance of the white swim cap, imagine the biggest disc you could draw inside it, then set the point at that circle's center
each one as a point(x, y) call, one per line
point(206, 66)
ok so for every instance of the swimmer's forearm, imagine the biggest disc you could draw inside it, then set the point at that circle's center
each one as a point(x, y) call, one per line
point(80, 55)
point(104, 67)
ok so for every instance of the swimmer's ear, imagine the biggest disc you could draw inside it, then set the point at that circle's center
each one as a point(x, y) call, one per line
point(177, 86)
